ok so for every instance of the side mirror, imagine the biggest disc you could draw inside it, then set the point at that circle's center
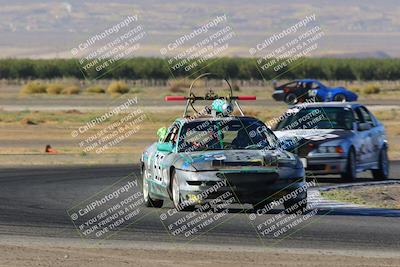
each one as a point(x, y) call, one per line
point(165, 147)
point(363, 126)
point(161, 133)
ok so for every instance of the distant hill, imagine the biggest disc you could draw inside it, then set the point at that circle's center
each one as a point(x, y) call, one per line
point(46, 28)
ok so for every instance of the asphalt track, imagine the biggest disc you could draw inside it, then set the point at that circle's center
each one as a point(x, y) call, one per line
point(34, 202)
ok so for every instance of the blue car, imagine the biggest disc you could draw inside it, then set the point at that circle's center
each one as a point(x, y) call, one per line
point(300, 90)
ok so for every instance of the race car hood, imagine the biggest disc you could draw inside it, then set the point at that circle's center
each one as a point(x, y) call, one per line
point(316, 136)
point(232, 159)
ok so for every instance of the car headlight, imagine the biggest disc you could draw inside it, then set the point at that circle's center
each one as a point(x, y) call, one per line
point(296, 164)
point(330, 149)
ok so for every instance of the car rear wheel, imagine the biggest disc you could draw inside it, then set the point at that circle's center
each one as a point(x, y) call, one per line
point(176, 196)
point(148, 201)
point(383, 172)
point(351, 167)
point(291, 98)
point(339, 98)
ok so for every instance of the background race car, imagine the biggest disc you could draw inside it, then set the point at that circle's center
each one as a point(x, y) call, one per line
point(300, 90)
point(336, 138)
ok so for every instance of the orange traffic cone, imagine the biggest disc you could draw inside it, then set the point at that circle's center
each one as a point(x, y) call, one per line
point(49, 149)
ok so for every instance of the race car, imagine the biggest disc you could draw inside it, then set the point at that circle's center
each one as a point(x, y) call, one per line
point(299, 90)
point(216, 152)
point(335, 138)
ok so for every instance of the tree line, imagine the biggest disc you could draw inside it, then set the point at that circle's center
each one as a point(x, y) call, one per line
point(234, 68)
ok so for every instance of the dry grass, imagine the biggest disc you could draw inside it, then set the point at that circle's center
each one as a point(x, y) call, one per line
point(183, 85)
point(71, 90)
point(372, 89)
point(54, 89)
point(235, 87)
point(368, 89)
point(179, 86)
point(34, 87)
point(118, 87)
point(387, 196)
point(96, 89)
point(376, 90)
point(37, 87)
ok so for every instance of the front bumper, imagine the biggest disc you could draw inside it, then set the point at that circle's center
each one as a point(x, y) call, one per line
point(326, 165)
point(278, 95)
point(244, 187)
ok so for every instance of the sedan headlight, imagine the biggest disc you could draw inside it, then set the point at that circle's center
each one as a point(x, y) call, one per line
point(295, 164)
point(330, 149)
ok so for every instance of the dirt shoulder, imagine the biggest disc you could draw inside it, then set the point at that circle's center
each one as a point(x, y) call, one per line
point(48, 253)
point(382, 196)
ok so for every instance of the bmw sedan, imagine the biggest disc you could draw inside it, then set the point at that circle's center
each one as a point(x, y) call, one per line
point(335, 138)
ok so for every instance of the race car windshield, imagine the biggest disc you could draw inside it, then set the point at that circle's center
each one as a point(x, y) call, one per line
point(316, 118)
point(226, 134)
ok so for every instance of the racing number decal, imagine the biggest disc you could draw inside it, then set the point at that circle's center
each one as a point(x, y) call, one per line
point(157, 171)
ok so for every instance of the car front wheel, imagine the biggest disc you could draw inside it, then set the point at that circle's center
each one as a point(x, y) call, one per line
point(339, 98)
point(148, 201)
point(176, 196)
point(291, 98)
point(383, 172)
point(351, 167)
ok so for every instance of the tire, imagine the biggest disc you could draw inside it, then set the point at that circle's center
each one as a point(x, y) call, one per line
point(383, 172)
point(351, 167)
point(339, 98)
point(176, 196)
point(148, 201)
point(291, 98)
point(300, 208)
point(318, 98)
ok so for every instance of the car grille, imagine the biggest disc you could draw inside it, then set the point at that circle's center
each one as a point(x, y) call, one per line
point(217, 163)
point(246, 185)
point(202, 183)
point(251, 179)
point(316, 167)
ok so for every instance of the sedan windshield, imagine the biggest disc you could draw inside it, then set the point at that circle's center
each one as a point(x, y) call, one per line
point(316, 118)
point(226, 133)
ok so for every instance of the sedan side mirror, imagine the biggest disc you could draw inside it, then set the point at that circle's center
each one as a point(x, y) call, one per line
point(363, 126)
point(165, 147)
